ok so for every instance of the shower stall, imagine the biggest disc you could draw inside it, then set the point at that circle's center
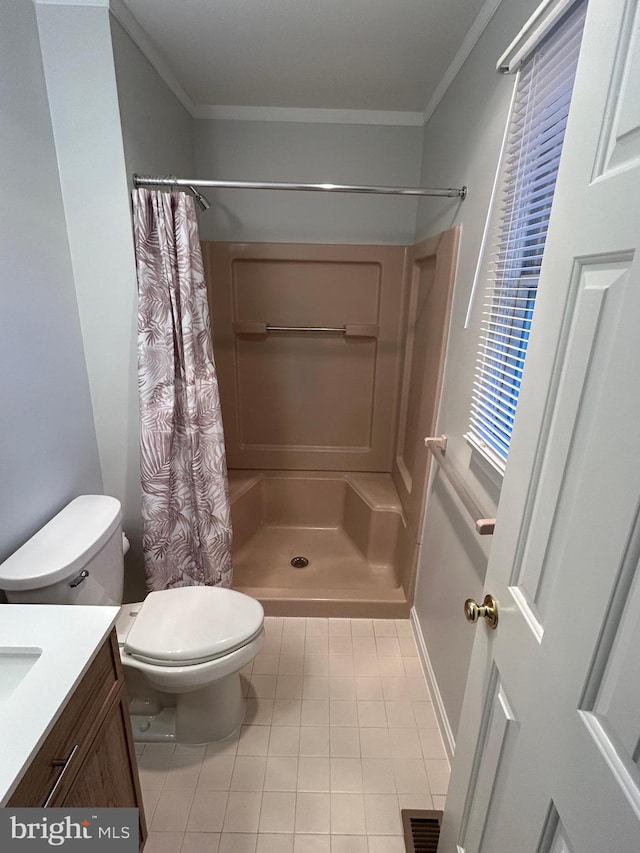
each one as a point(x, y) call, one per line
point(329, 361)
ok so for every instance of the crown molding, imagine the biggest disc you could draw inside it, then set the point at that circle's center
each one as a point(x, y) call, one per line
point(149, 49)
point(307, 115)
point(485, 14)
point(101, 3)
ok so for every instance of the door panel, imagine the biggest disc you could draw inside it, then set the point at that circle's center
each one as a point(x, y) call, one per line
point(594, 301)
point(614, 681)
point(554, 839)
point(498, 723)
point(565, 558)
point(620, 144)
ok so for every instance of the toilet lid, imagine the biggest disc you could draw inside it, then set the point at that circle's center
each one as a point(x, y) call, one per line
point(193, 624)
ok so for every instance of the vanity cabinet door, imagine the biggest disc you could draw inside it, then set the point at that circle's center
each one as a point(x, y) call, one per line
point(107, 778)
point(88, 759)
point(63, 751)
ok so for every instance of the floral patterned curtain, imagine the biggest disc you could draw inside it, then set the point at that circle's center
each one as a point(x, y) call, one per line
point(185, 500)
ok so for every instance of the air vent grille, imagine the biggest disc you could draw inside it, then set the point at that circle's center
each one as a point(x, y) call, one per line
point(421, 830)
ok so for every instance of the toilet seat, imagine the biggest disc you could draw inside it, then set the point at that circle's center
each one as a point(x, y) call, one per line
point(187, 626)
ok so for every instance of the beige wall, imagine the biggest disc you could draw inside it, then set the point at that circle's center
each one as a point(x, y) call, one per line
point(462, 144)
point(307, 401)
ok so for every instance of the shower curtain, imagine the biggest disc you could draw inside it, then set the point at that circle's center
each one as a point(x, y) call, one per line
point(185, 500)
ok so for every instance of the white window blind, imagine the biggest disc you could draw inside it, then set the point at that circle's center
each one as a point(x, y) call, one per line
point(529, 172)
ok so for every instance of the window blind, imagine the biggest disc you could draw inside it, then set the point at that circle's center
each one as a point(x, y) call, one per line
point(529, 172)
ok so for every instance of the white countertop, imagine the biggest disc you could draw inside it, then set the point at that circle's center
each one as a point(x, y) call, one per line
point(69, 637)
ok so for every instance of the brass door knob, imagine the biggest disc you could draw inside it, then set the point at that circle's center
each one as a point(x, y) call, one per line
point(487, 610)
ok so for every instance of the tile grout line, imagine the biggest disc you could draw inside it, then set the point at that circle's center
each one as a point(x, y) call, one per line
point(282, 642)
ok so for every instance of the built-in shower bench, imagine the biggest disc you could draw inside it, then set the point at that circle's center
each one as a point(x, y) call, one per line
point(320, 542)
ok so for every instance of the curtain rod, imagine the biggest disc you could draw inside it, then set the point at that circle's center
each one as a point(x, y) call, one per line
point(152, 181)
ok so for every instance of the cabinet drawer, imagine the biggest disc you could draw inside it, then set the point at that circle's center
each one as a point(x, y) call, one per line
point(72, 731)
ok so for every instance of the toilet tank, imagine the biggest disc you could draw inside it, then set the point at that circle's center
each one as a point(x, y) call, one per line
point(76, 558)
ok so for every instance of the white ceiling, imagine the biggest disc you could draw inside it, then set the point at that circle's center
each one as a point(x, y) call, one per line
point(382, 55)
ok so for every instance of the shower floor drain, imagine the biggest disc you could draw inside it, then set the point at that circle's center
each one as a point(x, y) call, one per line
point(299, 562)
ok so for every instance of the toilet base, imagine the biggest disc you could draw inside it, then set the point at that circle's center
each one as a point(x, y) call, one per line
point(211, 713)
point(200, 716)
point(154, 728)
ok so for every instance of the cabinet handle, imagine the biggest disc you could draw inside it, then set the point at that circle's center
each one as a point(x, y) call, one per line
point(64, 763)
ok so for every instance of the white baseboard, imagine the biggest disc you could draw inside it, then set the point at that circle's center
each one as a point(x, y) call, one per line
point(438, 704)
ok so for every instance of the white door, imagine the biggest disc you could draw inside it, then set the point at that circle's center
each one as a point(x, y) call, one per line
point(548, 750)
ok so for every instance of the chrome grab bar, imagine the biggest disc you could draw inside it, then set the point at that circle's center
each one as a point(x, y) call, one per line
point(349, 330)
point(438, 447)
point(340, 330)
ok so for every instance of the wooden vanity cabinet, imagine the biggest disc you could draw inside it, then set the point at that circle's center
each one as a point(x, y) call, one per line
point(88, 758)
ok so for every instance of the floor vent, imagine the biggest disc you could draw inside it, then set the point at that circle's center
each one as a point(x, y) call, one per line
point(421, 830)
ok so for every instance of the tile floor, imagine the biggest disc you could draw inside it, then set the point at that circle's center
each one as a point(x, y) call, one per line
point(339, 735)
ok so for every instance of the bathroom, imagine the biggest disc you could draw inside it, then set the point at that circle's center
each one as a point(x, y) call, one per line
point(107, 106)
point(145, 129)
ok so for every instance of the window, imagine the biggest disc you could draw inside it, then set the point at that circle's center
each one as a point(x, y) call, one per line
point(529, 171)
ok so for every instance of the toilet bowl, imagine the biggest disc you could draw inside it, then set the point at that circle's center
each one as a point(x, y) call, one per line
point(186, 645)
point(192, 641)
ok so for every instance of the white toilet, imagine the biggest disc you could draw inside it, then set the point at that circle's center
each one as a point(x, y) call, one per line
point(187, 645)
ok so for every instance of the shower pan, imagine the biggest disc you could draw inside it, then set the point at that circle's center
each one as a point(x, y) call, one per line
point(329, 361)
point(332, 539)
